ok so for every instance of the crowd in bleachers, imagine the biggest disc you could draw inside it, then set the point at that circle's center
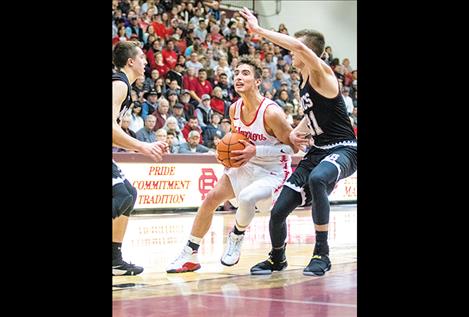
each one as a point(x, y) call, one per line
point(192, 48)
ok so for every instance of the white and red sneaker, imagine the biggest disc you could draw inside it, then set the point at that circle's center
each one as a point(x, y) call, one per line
point(187, 261)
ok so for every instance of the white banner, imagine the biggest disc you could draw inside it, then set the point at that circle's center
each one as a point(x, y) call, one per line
point(185, 185)
point(178, 185)
point(345, 189)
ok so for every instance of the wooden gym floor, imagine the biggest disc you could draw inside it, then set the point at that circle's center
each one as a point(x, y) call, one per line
point(152, 241)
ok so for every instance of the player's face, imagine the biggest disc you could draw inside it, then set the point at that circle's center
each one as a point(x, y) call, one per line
point(244, 80)
point(140, 61)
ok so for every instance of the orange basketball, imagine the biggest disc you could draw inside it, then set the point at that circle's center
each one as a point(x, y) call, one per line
point(230, 142)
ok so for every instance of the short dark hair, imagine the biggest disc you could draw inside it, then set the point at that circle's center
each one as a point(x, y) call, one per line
point(312, 39)
point(122, 52)
point(249, 60)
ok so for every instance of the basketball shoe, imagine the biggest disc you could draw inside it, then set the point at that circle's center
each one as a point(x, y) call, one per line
point(318, 266)
point(120, 267)
point(233, 251)
point(187, 261)
point(275, 262)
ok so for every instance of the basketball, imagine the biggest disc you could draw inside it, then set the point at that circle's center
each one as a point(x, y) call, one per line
point(230, 142)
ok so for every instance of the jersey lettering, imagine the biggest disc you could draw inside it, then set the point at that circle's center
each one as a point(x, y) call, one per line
point(307, 104)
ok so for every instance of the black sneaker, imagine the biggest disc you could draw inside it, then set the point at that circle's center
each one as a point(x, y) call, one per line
point(268, 266)
point(124, 268)
point(318, 266)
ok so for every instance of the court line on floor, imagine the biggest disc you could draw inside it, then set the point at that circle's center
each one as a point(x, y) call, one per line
point(280, 300)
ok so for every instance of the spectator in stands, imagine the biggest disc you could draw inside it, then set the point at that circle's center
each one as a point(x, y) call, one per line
point(223, 64)
point(288, 110)
point(225, 125)
point(154, 48)
point(167, 25)
point(283, 98)
point(328, 57)
point(278, 80)
point(217, 103)
point(192, 124)
point(189, 79)
point(133, 95)
point(282, 29)
point(204, 111)
point(172, 96)
point(169, 55)
point(294, 79)
point(150, 104)
point(266, 82)
point(212, 129)
point(354, 116)
point(176, 74)
point(244, 47)
point(201, 30)
point(134, 28)
point(160, 87)
point(120, 36)
point(149, 83)
point(138, 85)
point(125, 122)
point(136, 120)
point(202, 86)
point(189, 108)
point(178, 114)
point(214, 9)
point(227, 90)
point(194, 63)
point(172, 148)
point(162, 68)
point(150, 31)
point(172, 87)
point(215, 33)
point(171, 125)
point(161, 135)
point(161, 113)
point(192, 145)
point(347, 99)
point(146, 134)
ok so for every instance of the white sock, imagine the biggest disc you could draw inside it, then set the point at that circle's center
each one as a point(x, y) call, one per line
point(195, 239)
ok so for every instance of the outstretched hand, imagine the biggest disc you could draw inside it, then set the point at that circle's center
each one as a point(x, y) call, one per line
point(251, 20)
point(300, 139)
point(154, 150)
point(243, 156)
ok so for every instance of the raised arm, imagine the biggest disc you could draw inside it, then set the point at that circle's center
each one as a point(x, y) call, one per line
point(319, 74)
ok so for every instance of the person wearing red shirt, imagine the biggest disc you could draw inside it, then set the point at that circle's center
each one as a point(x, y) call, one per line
point(169, 55)
point(202, 86)
point(217, 103)
point(160, 66)
point(189, 80)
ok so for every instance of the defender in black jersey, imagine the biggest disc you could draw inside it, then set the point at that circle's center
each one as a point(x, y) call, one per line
point(332, 156)
point(130, 62)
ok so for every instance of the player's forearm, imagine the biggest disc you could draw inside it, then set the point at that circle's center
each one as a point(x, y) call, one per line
point(286, 41)
point(302, 126)
point(123, 140)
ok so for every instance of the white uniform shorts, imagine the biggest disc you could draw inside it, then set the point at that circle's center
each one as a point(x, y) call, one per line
point(254, 176)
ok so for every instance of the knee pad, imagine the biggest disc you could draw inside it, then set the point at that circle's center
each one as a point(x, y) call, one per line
point(133, 194)
point(122, 200)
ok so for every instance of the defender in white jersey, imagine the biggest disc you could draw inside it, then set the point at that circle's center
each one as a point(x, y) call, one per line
point(265, 165)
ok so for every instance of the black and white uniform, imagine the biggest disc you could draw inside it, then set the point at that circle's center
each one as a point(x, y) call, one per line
point(123, 193)
point(334, 152)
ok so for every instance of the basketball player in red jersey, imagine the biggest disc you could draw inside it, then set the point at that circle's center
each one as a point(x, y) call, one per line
point(332, 156)
point(265, 166)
